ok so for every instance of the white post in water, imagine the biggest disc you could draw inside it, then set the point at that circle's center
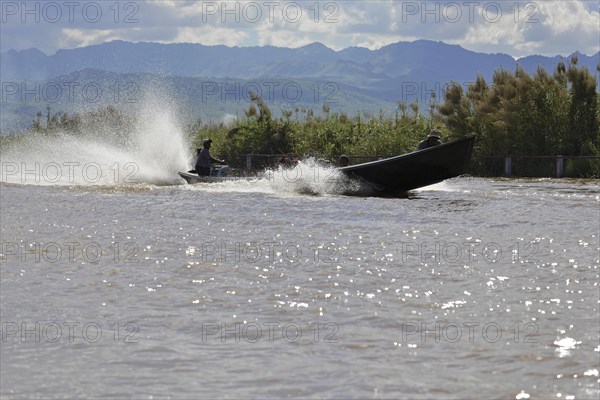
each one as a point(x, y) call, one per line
point(508, 166)
point(559, 166)
point(248, 161)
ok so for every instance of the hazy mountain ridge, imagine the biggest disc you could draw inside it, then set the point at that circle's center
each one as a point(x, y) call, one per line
point(200, 77)
point(211, 100)
point(442, 61)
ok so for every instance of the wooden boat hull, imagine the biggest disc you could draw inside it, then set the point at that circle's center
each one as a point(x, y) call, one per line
point(232, 175)
point(416, 169)
point(195, 178)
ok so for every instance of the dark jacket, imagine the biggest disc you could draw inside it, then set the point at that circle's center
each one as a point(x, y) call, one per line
point(424, 144)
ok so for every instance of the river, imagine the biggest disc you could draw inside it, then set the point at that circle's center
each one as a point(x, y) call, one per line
point(472, 288)
point(118, 280)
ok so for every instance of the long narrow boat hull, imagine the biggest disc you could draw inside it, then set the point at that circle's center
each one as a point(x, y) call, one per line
point(195, 178)
point(416, 169)
point(192, 178)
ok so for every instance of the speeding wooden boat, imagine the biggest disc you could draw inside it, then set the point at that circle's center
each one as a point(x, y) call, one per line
point(391, 175)
point(416, 169)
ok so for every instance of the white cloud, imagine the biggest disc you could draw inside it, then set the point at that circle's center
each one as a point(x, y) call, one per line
point(519, 29)
point(568, 16)
point(375, 42)
point(71, 38)
point(554, 27)
point(283, 39)
point(210, 36)
point(486, 34)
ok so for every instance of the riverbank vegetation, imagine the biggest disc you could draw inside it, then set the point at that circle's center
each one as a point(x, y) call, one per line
point(110, 124)
point(516, 114)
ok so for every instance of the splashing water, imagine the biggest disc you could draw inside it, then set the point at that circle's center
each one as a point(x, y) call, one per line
point(308, 177)
point(153, 153)
point(315, 178)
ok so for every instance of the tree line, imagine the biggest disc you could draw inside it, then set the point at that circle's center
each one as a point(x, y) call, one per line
point(522, 115)
point(516, 114)
point(519, 114)
point(109, 123)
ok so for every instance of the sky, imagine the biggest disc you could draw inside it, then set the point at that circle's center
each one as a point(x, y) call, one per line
point(517, 28)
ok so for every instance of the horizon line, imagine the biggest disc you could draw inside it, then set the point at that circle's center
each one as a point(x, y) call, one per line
point(296, 48)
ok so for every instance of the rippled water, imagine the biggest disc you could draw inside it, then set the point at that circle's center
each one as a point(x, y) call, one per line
point(472, 288)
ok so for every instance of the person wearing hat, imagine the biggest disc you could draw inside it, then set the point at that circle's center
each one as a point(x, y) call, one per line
point(344, 160)
point(205, 159)
point(433, 139)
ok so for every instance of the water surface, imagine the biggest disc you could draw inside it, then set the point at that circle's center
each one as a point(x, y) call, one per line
point(473, 288)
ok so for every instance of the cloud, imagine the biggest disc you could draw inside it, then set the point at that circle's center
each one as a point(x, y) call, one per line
point(569, 16)
point(517, 28)
point(70, 38)
point(209, 36)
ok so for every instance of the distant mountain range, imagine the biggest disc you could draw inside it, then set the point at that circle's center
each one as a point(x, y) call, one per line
point(198, 75)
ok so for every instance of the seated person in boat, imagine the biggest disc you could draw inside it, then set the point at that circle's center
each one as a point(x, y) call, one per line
point(343, 161)
point(205, 159)
point(433, 139)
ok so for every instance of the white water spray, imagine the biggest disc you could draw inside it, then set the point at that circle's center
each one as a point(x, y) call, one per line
point(153, 153)
point(308, 177)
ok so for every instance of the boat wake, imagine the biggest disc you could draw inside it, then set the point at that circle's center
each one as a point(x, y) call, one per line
point(311, 177)
point(308, 177)
point(150, 153)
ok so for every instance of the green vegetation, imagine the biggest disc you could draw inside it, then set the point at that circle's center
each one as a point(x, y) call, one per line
point(515, 115)
point(522, 115)
point(113, 125)
point(302, 133)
